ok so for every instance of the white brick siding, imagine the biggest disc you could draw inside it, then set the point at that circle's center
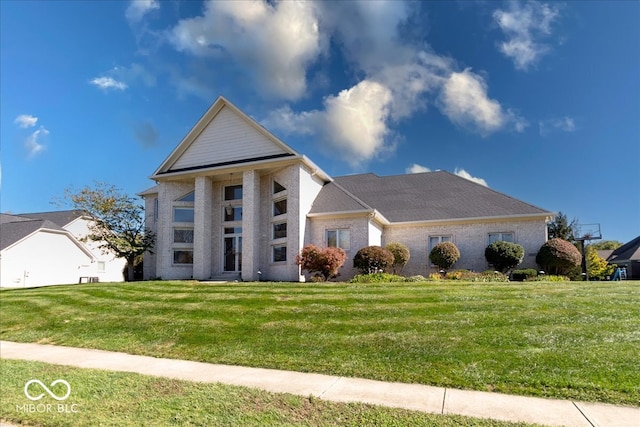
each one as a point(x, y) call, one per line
point(471, 239)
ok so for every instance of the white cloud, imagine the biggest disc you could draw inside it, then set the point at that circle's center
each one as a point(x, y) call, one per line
point(276, 42)
point(138, 8)
point(25, 121)
point(33, 144)
point(416, 168)
point(107, 83)
point(465, 101)
point(466, 175)
point(354, 122)
point(523, 26)
point(563, 124)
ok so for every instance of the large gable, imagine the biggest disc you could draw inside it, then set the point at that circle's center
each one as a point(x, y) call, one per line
point(431, 196)
point(224, 136)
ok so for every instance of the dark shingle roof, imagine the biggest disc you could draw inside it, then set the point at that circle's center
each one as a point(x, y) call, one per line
point(11, 232)
point(628, 252)
point(61, 218)
point(429, 196)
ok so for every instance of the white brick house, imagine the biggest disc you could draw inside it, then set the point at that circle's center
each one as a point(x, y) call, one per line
point(233, 201)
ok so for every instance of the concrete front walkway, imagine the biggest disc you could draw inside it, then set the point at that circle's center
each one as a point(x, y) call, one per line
point(418, 397)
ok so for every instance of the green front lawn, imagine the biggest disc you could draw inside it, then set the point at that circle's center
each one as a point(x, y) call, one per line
point(121, 399)
point(564, 340)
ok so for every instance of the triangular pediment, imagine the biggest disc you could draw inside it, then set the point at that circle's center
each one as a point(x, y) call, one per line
point(224, 136)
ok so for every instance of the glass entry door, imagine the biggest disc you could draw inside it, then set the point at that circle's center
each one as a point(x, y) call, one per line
point(233, 253)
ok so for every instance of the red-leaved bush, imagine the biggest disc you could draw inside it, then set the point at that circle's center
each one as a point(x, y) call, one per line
point(558, 257)
point(323, 261)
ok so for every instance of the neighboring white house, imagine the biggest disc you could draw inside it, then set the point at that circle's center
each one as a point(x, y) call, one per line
point(45, 248)
point(233, 201)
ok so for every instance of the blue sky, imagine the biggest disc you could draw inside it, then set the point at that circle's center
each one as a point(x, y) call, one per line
point(539, 100)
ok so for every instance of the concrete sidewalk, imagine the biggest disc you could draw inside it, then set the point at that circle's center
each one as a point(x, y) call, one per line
point(418, 397)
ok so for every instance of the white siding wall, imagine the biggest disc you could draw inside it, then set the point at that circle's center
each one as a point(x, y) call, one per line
point(113, 271)
point(44, 258)
point(226, 138)
point(471, 240)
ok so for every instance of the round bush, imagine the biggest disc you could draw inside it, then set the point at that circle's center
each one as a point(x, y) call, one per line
point(401, 255)
point(558, 257)
point(444, 255)
point(373, 259)
point(504, 256)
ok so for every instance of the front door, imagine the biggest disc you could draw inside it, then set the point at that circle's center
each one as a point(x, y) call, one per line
point(232, 253)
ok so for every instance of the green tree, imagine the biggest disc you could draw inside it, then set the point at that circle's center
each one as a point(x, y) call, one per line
point(401, 256)
point(606, 245)
point(444, 255)
point(117, 222)
point(596, 266)
point(561, 228)
point(504, 256)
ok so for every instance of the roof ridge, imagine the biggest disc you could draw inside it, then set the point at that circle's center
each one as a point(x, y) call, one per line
point(354, 197)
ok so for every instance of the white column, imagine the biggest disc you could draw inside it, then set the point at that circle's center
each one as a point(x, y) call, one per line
point(250, 225)
point(202, 228)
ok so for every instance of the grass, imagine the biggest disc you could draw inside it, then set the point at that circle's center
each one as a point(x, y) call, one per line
point(122, 399)
point(563, 340)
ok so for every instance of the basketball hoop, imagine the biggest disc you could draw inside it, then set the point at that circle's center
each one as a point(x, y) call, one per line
point(587, 232)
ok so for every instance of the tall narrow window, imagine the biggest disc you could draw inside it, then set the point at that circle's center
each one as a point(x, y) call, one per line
point(183, 218)
point(279, 230)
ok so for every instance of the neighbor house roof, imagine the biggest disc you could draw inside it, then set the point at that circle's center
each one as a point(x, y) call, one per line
point(628, 252)
point(60, 218)
point(430, 196)
point(14, 228)
point(12, 232)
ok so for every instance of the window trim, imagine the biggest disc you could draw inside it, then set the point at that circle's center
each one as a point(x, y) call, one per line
point(181, 264)
point(273, 253)
point(501, 235)
point(338, 231)
point(273, 207)
point(273, 230)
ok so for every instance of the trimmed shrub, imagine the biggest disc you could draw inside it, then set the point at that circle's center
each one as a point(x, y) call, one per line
point(373, 259)
point(401, 256)
point(558, 257)
point(444, 255)
point(377, 278)
point(522, 275)
point(325, 263)
point(504, 256)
